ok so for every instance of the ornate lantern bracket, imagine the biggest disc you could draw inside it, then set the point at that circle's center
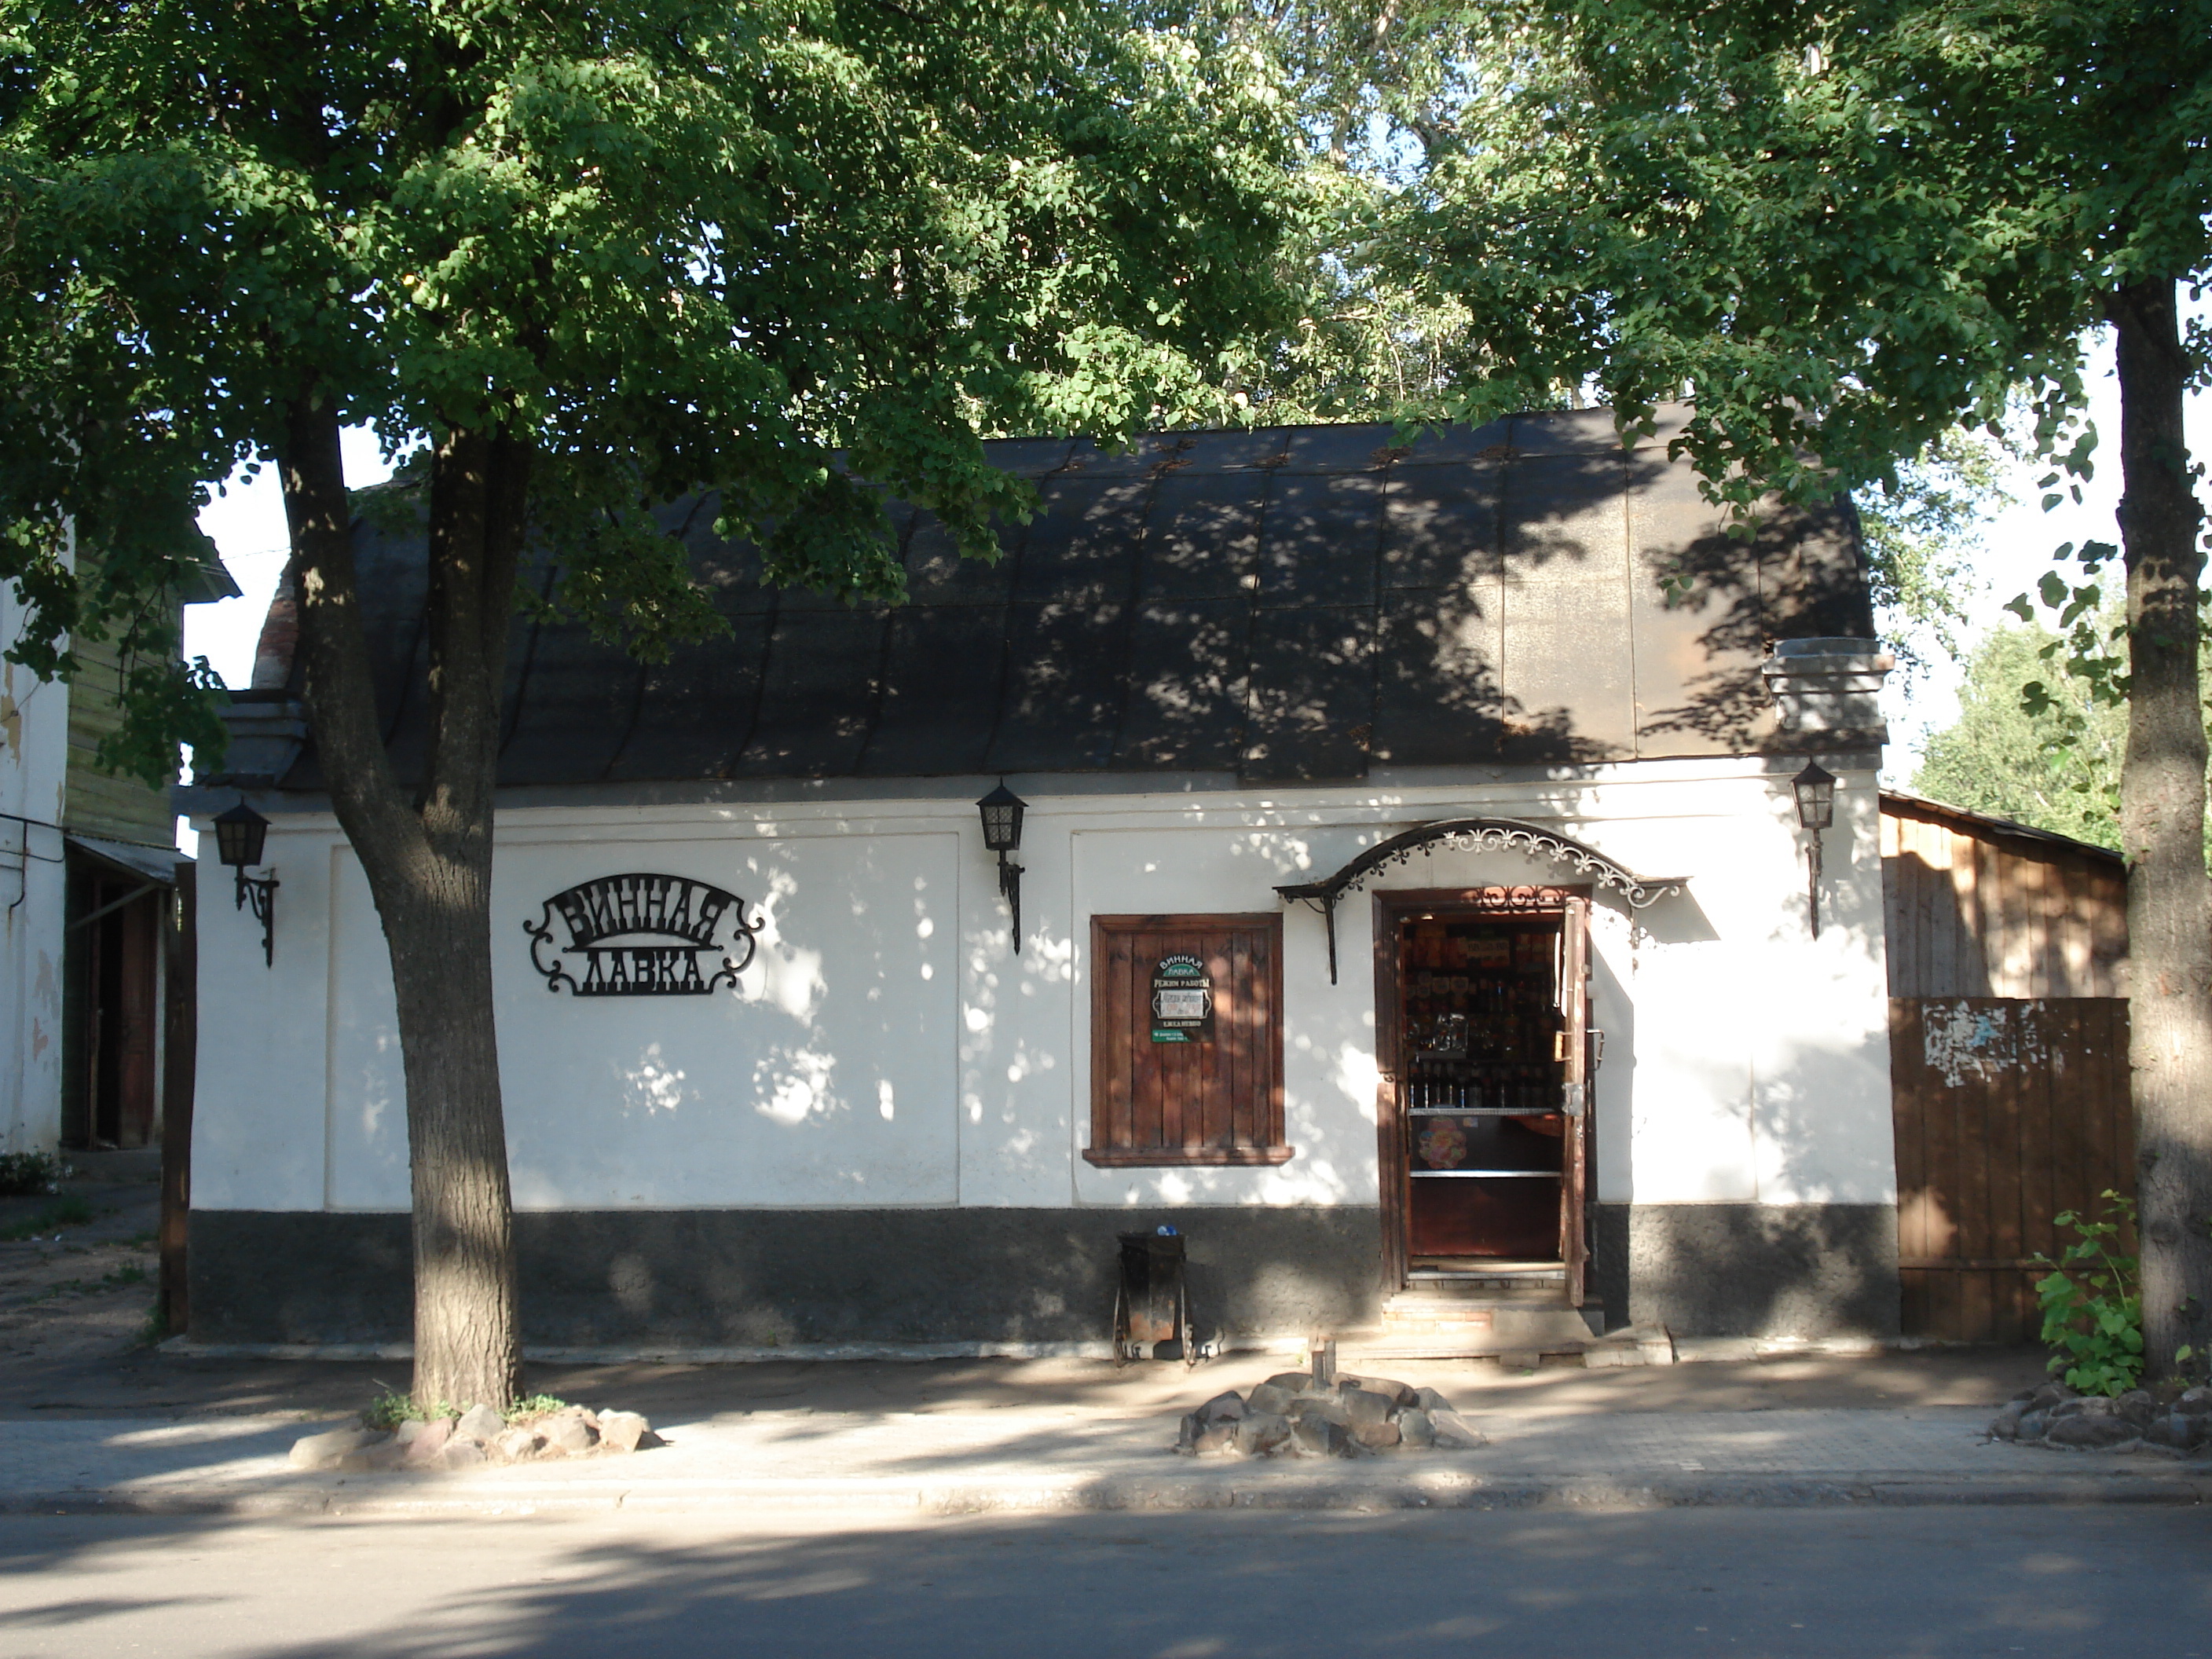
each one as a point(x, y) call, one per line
point(1472, 835)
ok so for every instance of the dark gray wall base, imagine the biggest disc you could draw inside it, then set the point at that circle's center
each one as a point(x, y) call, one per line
point(1751, 1269)
point(743, 1278)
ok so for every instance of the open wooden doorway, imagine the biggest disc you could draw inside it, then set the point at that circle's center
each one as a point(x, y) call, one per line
point(1481, 999)
point(111, 1014)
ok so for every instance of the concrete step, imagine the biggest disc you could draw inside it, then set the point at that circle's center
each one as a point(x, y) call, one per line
point(1517, 1343)
point(1440, 1327)
point(1479, 1293)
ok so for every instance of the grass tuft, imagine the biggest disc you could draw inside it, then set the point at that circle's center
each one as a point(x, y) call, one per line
point(71, 1212)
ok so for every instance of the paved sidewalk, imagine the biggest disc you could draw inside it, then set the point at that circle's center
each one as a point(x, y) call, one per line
point(1032, 1459)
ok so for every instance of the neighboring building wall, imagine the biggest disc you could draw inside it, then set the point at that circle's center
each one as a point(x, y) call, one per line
point(101, 803)
point(877, 1137)
point(2008, 969)
point(33, 750)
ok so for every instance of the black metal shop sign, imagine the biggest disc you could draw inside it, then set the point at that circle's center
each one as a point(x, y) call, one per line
point(1182, 1000)
point(642, 936)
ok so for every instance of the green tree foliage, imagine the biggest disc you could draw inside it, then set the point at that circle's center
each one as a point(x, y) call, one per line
point(1842, 231)
point(1400, 103)
point(2056, 768)
point(586, 258)
point(1922, 531)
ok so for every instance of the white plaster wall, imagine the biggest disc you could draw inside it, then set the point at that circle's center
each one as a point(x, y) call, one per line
point(264, 1055)
point(33, 759)
point(826, 1077)
point(888, 1047)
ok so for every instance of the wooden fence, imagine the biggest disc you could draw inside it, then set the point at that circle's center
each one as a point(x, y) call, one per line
point(2008, 1111)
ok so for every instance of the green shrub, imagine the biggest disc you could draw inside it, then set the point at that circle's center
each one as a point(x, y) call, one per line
point(391, 1408)
point(2093, 1303)
point(26, 1175)
point(536, 1405)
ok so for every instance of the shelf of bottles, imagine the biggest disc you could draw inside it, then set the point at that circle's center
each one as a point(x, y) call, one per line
point(1479, 1045)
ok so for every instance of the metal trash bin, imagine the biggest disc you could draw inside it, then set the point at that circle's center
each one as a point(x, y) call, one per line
point(1151, 1301)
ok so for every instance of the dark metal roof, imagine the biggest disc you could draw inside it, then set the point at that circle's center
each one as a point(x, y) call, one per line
point(1287, 603)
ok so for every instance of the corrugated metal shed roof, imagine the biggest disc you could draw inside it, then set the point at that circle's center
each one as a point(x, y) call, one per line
point(1287, 603)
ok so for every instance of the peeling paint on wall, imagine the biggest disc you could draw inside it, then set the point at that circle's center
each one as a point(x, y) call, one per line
point(1980, 1042)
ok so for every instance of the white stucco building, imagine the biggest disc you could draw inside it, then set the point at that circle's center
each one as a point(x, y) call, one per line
point(33, 767)
point(1580, 1049)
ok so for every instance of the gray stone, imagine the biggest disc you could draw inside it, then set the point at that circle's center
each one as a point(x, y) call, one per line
point(1364, 1406)
point(1454, 1432)
point(480, 1423)
point(1259, 1434)
point(1319, 1407)
point(568, 1432)
point(1267, 1397)
point(1414, 1428)
point(1377, 1435)
point(2006, 1424)
point(2101, 1430)
point(1187, 1433)
point(1216, 1439)
point(2032, 1425)
point(2051, 1394)
point(2095, 1405)
point(515, 1445)
point(325, 1451)
point(427, 1440)
point(461, 1455)
point(1430, 1400)
point(1314, 1436)
point(2197, 1402)
point(2173, 1430)
point(1398, 1392)
point(2137, 1406)
point(626, 1431)
point(1292, 1382)
point(1223, 1409)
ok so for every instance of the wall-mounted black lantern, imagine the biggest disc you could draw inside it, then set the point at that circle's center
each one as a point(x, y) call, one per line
point(1816, 811)
point(238, 834)
point(1002, 811)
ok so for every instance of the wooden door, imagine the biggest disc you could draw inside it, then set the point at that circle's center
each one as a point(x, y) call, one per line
point(1567, 909)
point(2008, 1111)
point(136, 1015)
point(1574, 1041)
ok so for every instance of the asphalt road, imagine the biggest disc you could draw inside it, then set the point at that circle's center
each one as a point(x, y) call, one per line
point(2056, 1583)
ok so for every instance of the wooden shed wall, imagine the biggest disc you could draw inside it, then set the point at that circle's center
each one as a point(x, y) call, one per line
point(2009, 1059)
point(98, 803)
point(1973, 912)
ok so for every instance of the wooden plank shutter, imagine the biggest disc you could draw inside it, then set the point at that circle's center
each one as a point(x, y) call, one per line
point(1209, 1097)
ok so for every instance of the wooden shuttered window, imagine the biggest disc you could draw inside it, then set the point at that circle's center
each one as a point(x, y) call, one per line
point(1186, 1040)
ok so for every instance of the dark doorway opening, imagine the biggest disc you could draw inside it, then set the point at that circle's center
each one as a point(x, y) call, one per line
point(1486, 1140)
point(112, 1006)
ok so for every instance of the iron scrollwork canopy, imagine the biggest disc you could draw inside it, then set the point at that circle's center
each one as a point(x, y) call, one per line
point(1476, 835)
point(641, 935)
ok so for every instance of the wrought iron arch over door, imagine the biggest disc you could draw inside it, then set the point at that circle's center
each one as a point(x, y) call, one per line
point(1477, 836)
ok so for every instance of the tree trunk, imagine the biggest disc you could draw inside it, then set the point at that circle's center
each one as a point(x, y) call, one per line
point(2162, 829)
point(429, 864)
